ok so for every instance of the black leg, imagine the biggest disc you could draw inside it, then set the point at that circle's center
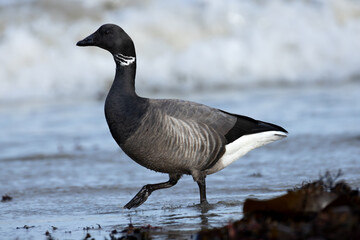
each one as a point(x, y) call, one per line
point(202, 187)
point(146, 190)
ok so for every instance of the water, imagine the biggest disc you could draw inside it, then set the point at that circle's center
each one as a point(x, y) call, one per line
point(61, 166)
point(293, 63)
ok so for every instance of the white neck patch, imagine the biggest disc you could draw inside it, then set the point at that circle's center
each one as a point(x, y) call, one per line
point(124, 60)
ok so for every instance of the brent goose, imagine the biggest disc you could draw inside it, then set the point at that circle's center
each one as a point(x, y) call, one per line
point(172, 136)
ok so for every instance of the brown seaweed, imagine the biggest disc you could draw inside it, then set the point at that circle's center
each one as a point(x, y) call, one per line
point(323, 209)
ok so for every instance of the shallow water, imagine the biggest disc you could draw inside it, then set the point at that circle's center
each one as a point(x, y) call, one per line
point(62, 168)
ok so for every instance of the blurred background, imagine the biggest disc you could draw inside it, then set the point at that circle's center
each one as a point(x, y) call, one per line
point(182, 46)
point(295, 63)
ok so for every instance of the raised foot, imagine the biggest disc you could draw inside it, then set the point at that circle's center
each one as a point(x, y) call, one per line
point(139, 198)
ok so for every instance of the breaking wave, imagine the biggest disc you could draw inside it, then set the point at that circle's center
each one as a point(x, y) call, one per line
point(182, 46)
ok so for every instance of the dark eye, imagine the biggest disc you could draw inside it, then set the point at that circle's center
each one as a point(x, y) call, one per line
point(107, 32)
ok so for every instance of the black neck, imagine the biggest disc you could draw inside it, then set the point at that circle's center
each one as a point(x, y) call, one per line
point(124, 82)
point(123, 108)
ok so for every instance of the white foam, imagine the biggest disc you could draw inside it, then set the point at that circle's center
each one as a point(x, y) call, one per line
point(181, 45)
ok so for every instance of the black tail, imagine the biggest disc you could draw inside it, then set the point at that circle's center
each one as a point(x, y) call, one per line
point(246, 125)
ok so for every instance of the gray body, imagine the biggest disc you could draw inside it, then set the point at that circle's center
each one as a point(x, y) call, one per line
point(172, 138)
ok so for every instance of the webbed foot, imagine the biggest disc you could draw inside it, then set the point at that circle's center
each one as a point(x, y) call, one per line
point(139, 198)
point(146, 190)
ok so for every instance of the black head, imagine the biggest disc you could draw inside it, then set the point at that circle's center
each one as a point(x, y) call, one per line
point(112, 38)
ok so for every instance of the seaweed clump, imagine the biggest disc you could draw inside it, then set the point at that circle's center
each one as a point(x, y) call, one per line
point(323, 209)
point(133, 233)
point(6, 198)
